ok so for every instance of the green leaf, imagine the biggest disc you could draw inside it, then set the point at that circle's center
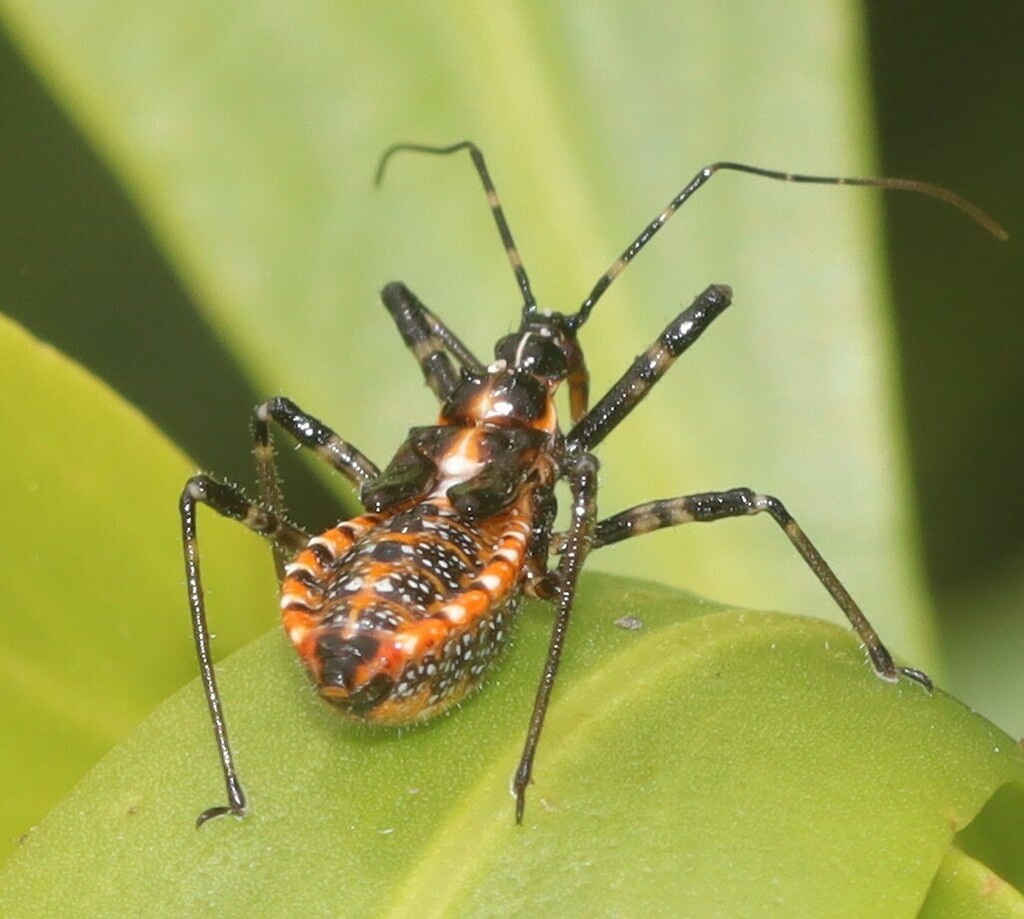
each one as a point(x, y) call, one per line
point(712, 762)
point(247, 136)
point(96, 631)
point(967, 889)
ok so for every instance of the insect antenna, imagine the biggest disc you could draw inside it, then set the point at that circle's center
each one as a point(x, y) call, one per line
point(923, 188)
point(529, 303)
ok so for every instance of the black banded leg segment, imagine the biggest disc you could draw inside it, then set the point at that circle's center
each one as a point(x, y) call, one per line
point(583, 484)
point(648, 368)
point(228, 502)
point(447, 337)
point(308, 432)
point(741, 502)
point(314, 434)
point(428, 339)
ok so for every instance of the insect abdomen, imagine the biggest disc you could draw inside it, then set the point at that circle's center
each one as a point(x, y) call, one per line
point(397, 619)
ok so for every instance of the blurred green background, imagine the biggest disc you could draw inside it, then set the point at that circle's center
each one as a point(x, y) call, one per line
point(948, 83)
point(84, 263)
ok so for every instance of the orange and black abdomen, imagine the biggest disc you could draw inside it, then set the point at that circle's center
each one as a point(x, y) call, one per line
point(397, 617)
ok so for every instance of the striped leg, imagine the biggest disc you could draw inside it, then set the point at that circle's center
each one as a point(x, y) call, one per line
point(577, 544)
point(311, 433)
point(740, 502)
point(227, 501)
point(428, 339)
point(648, 368)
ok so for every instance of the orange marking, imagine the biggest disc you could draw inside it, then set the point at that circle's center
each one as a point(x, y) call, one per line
point(391, 659)
point(430, 634)
point(300, 627)
point(340, 539)
point(306, 560)
point(469, 604)
point(336, 541)
point(295, 593)
point(299, 618)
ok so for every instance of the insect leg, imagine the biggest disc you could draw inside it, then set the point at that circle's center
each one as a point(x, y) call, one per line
point(648, 368)
point(227, 501)
point(311, 433)
point(740, 502)
point(583, 482)
point(428, 339)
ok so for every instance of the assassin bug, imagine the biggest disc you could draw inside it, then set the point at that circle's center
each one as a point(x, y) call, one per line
point(398, 612)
